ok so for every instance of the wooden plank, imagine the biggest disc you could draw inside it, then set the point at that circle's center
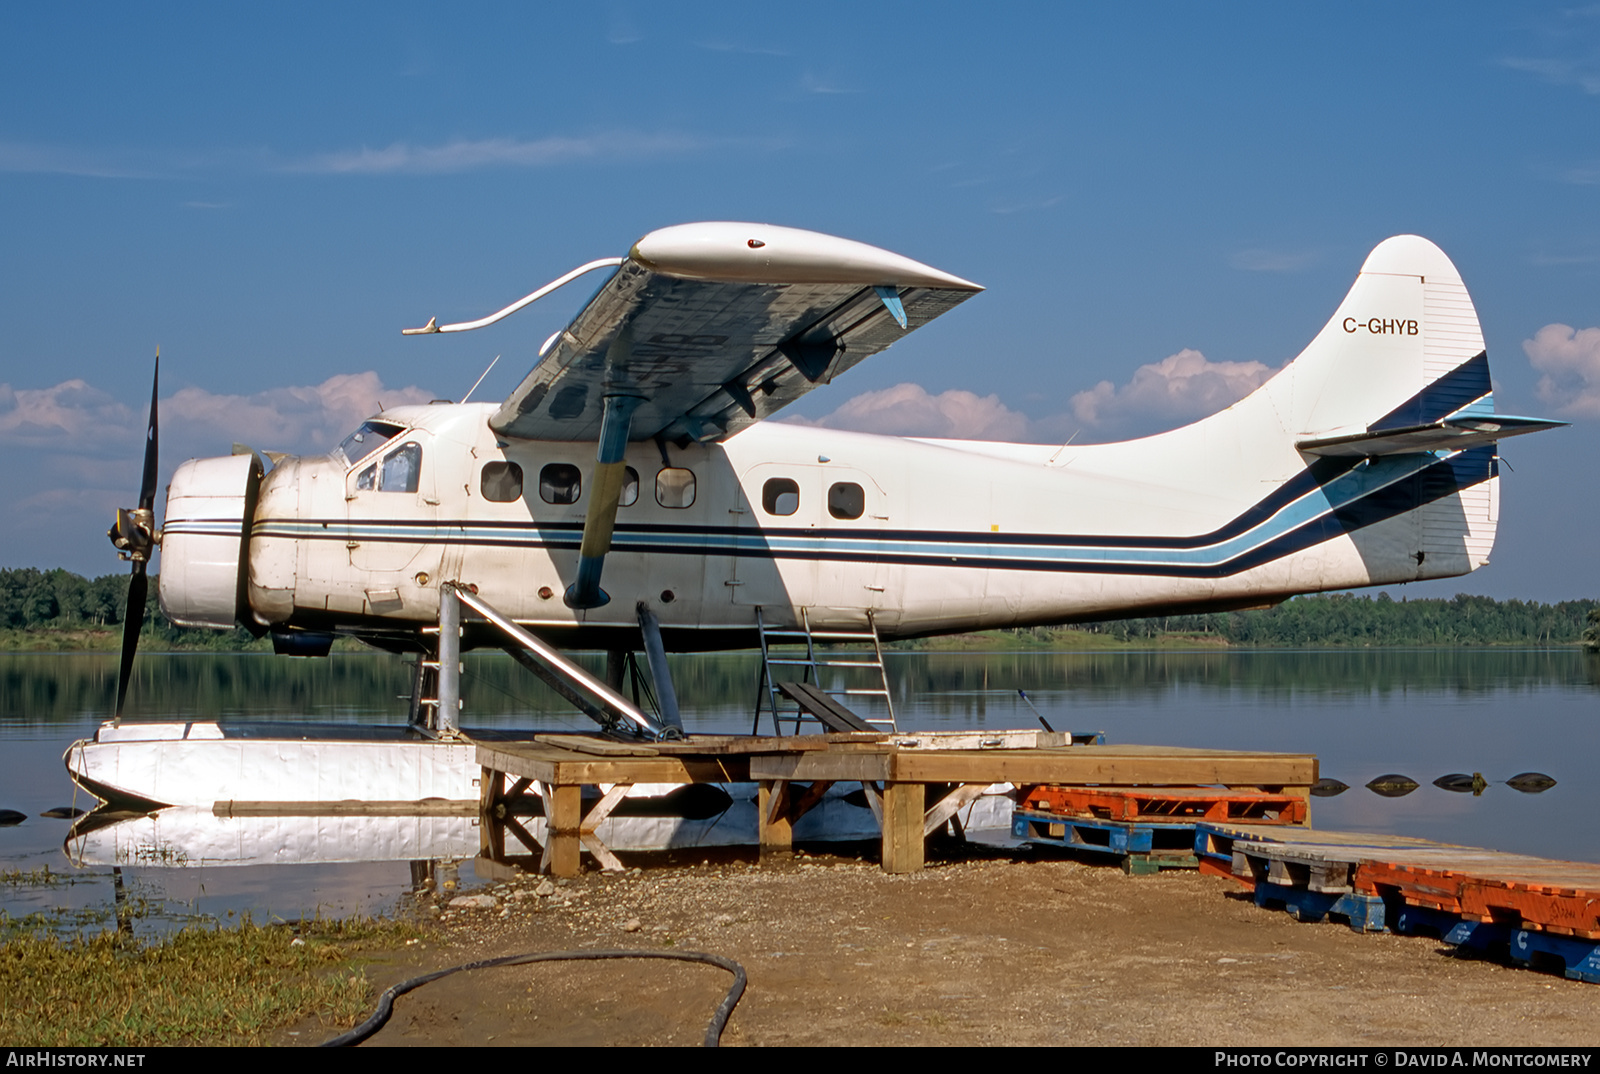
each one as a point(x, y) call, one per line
point(947, 806)
point(599, 747)
point(1025, 739)
point(824, 707)
point(551, 765)
point(720, 745)
point(808, 801)
point(835, 765)
point(1104, 765)
point(603, 808)
point(602, 853)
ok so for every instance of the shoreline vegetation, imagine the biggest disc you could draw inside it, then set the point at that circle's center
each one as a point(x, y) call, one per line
point(221, 984)
point(58, 611)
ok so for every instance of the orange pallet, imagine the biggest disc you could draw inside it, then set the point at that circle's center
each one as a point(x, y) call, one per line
point(1437, 888)
point(1561, 897)
point(1167, 803)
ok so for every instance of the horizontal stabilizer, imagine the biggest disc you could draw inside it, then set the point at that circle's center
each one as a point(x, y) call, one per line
point(1447, 434)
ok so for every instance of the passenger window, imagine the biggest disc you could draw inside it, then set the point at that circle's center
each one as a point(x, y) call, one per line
point(560, 482)
point(502, 482)
point(630, 487)
point(846, 499)
point(400, 469)
point(780, 496)
point(675, 487)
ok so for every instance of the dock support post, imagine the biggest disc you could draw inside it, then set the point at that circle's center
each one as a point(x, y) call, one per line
point(775, 830)
point(904, 807)
point(449, 661)
point(563, 806)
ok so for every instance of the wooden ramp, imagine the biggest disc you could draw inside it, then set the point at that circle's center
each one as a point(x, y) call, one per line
point(915, 782)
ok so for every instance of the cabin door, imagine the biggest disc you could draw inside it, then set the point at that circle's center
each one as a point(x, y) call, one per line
point(809, 537)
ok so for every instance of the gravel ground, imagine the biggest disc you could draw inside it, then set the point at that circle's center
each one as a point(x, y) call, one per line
point(983, 947)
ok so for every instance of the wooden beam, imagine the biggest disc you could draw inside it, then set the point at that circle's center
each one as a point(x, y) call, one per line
point(775, 831)
point(904, 805)
point(950, 803)
point(563, 810)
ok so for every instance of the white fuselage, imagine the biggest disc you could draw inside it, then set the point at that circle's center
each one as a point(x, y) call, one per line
point(936, 536)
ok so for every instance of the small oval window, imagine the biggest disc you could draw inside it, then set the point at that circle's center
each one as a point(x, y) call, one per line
point(675, 487)
point(560, 482)
point(846, 499)
point(502, 481)
point(780, 496)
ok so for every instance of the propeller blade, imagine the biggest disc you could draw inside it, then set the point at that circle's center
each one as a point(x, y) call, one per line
point(132, 621)
point(147, 490)
point(134, 534)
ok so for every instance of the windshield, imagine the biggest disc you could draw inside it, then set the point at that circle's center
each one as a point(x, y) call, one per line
point(369, 438)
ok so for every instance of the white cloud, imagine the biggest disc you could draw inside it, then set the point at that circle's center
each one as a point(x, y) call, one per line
point(397, 158)
point(825, 84)
point(908, 410)
point(1181, 386)
point(1560, 72)
point(76, 419)
point(465, 155)
point(1025, 205)
point(1257, 259)
point(1569, 363)
point(62, 160)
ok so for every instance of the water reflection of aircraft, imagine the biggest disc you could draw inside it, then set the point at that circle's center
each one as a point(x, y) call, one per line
point(635, 453)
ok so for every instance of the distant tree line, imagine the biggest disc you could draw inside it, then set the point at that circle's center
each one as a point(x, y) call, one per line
point(34, 600)
point(1360, 620)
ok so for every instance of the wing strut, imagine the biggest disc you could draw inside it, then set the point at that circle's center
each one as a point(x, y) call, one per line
point(604, 494)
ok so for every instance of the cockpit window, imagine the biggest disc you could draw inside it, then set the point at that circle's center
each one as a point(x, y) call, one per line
point(401, 469)
point(369, 438)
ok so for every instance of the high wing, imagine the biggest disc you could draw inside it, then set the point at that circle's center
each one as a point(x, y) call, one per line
point(705, 328)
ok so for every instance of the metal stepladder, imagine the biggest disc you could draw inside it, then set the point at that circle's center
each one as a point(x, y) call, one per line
point(858, 662)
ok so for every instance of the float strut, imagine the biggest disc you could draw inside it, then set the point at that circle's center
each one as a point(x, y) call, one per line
point(656, 654)
point(449, 662)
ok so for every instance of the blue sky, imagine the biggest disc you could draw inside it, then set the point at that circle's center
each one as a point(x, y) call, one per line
point(270, 193)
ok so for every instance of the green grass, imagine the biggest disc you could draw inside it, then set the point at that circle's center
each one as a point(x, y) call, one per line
point(207, 986)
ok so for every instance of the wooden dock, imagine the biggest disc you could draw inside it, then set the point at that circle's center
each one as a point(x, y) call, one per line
point(915, 783)
point(1534, 908)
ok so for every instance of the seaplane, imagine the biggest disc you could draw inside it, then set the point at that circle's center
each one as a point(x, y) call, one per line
point(631, 494)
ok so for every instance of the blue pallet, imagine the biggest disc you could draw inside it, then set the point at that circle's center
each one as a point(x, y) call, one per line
point(1365, 913)
point(1580, 959)
point(1117, 837)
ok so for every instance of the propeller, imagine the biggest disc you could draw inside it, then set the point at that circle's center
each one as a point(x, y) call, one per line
point(134, 535)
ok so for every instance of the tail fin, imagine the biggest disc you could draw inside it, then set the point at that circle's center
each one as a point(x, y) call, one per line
point(1403, 349)
point(1399, 376)
point(1406, 331)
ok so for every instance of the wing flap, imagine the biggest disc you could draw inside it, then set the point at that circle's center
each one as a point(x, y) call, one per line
point(710, 352)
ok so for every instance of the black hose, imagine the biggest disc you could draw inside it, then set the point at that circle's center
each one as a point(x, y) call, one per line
point(719, 1019)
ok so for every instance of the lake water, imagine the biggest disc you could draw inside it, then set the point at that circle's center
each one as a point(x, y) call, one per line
point(1421, 713)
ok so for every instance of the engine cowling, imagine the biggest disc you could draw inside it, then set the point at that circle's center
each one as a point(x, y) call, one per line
point(205, 541)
